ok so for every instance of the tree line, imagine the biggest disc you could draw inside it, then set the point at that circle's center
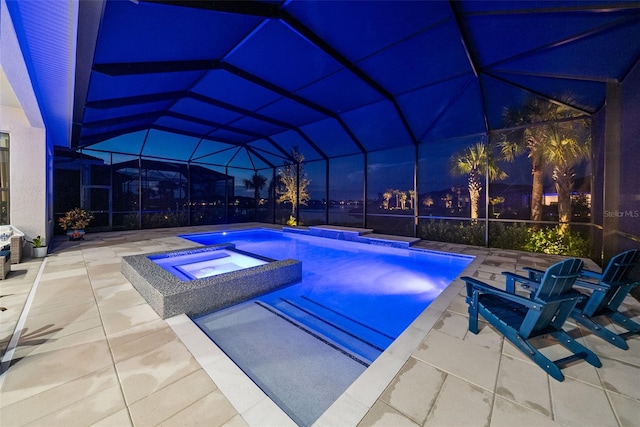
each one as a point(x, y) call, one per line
point(550, 133)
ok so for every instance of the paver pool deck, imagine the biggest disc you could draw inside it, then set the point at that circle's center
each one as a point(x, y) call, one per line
point(91, 351)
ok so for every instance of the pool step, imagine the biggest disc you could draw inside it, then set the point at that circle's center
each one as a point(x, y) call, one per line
point(346, 333)
point(361, 331)
point(298, 371)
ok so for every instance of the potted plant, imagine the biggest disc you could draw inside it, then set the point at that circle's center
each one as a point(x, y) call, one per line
point(39, 248)
point(74, 223)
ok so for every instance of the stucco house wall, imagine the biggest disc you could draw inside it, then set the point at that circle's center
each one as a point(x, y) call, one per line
point(20, 117)
point(27, 208)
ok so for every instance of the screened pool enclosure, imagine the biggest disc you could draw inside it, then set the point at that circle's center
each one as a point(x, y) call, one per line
point(463, 121)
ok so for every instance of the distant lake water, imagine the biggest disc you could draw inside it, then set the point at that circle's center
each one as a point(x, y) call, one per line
point(339, 214)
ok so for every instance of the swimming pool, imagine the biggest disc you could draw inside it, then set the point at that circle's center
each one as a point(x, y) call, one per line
point(353, 301)
point(384, 288)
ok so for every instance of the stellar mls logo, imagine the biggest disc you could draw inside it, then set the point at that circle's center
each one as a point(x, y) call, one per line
point(622, 214)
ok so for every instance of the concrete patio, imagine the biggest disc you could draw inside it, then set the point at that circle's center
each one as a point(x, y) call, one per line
point(91, 351)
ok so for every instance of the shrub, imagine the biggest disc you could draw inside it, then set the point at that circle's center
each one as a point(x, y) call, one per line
point(518, 236)
point(505, 236)
point(453, 232)
point(164, 219)
point(75, 219)
point(552, 241)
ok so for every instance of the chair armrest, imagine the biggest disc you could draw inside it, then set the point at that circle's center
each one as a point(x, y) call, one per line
point(534, 273)
point(565, 297)
point(17, 241)
point(519, 278)
point(591, 274)
point(527, 282)
point(599, 287)
point(477, 285)
point(533, 270)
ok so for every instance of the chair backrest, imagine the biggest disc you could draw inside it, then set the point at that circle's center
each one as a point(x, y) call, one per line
point(618, 270)
point(557, 281)
point(617, 274)
point(559, 278)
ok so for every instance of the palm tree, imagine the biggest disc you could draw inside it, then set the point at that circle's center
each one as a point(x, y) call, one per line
point(564, 151)
point(403, 199)
point(387, 196)
point(476, 162)
point(396, 193)
point(257, 183)
point(498, 200)
point(550, 139)
point(412, 197)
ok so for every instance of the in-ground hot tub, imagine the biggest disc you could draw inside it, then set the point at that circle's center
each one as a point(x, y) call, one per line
point(198, 265)
point(200, 280)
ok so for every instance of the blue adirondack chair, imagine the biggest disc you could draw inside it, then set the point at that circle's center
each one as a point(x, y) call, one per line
point(520, 318)
point(612, 287)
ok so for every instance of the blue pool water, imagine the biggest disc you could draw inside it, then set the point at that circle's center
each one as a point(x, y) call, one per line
point(380, 287)
point(354, 299)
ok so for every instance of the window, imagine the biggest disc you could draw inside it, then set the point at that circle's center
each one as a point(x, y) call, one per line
point(4, 178)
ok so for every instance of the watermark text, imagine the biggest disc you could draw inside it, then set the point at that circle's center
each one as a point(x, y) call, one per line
point(622, 214)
